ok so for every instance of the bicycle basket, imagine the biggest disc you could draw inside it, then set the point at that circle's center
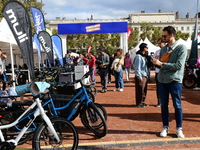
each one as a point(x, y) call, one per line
point(61, 100)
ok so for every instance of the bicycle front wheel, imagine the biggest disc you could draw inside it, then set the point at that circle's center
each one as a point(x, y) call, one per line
point(94, 119)
point(66, 131)
point(92, 89)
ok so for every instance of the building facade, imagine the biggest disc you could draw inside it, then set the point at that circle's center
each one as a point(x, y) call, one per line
point(185, 25)
point(159, 19)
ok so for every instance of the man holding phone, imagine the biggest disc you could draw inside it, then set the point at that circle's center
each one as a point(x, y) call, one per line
point(170, 79)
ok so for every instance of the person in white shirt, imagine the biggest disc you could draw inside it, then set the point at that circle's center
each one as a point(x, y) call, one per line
point(160, 43)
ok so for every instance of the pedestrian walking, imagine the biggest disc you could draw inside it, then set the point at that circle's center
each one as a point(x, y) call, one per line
point(103, 66)
point(118, 70)
point(127, 65)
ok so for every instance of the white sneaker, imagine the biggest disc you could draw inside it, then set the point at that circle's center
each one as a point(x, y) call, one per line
point(179, 133)
point(164, 132)
point(121, 90)
point(196, 88)
point(115, 90)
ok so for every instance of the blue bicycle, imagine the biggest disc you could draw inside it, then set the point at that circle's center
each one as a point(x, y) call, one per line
point(93, 115)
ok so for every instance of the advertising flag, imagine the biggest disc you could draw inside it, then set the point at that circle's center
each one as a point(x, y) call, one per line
point(38, 19)
point(89, 49)
point(19, 22)
point(129, 33)
point(194, 48)
point(57, 47)
point(37, 45)
point(46, 43)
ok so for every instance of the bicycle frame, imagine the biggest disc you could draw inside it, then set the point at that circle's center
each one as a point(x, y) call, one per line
point(84, 98)
point(39, 111)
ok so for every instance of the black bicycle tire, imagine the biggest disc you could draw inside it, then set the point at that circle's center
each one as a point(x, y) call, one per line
point(87, 123)
point(191, 80)
point(42, 128)
point(92, 89)
point(91, 96)
point(101, 108)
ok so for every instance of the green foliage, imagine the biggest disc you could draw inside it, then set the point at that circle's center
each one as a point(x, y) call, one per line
point(181, 35)
point(2, 2)
point(156, 34)
point(27, 5)
point(147, 29)
point(133, 39)
point(80, 42)
point(55, 32)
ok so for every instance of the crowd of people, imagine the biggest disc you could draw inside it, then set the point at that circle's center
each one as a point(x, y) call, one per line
point(105, 65)
point(168, 61)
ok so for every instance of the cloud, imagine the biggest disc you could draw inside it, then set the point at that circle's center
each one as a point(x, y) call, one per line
point(112, 9)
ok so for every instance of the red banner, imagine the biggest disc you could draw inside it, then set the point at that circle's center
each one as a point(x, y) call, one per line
point(89, 49)
point(129, 33)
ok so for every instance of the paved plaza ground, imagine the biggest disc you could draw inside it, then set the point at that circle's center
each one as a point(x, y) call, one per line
point(130, 127)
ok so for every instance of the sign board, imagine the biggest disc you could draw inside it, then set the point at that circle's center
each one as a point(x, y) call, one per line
point(92, 28)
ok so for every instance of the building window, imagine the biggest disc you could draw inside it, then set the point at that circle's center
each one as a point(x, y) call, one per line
point(182, 28)
point(176, 28)
point(188, 28)
point(136, 28)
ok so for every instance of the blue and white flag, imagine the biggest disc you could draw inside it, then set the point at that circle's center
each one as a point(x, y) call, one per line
point(37, 44)
point(57, 47)
point(38, 18)
point(194, 48)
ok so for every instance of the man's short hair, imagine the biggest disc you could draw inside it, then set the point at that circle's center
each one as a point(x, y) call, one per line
point(101, 48)
point(160, 39)
point(69, 51)
point(170, 30)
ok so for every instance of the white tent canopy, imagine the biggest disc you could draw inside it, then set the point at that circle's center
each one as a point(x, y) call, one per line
point(186, 43)
point(6, 37)
point(152, 48)
point(133, 51)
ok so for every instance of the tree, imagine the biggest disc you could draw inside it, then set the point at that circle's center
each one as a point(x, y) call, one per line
point(1, 7)
point(55, 32)
point(181, 35)
point(27, 4)
point(156, 34)
point(147, 29)
point(133, 39)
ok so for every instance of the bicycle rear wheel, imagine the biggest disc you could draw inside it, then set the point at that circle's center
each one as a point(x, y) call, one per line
point(66, 131)
point(94, 119)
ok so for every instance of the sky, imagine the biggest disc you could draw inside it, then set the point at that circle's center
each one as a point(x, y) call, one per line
point(114, 9)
